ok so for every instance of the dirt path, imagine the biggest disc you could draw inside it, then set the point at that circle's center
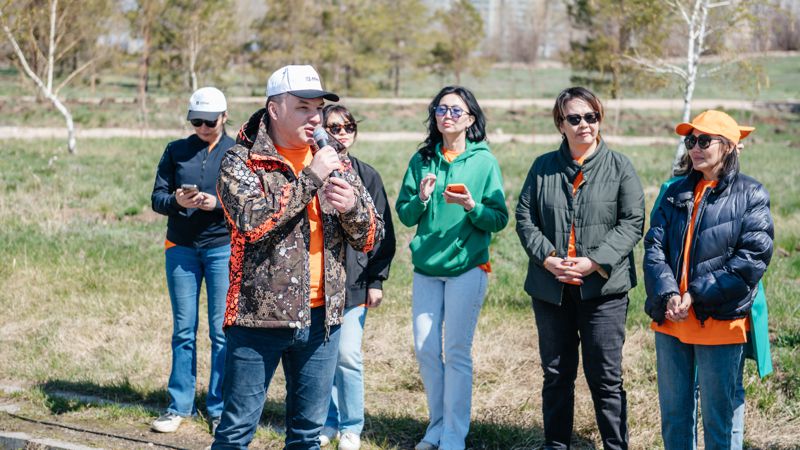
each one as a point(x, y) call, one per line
point(29, 133)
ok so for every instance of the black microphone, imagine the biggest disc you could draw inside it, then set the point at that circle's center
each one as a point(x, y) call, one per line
point(321, 138)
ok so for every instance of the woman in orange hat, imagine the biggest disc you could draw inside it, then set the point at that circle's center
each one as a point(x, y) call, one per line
point(709, 244)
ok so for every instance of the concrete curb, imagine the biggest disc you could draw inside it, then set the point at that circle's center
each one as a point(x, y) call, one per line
point(14, 441)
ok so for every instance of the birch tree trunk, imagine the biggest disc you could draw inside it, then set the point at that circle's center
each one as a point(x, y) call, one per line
point(697, 26)
point(46, 89)
point(194, 49)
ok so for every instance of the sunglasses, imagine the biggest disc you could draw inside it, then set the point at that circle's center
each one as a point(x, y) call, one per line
point(575, 119)
point(455, 111)
point(197, 123)
point(336, 128)
point(703, 141)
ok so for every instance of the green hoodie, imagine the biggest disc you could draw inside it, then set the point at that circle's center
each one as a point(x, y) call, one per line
point(450, 241)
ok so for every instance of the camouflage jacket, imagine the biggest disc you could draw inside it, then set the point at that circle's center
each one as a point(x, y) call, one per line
point(265, 208)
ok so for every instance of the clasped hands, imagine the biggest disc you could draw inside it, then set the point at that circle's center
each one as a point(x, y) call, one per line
point(678, 307)
point(571, 270)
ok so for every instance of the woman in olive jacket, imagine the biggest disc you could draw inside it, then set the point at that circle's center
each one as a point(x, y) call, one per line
point(580, 213)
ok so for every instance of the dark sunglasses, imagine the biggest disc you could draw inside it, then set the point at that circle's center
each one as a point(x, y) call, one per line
point(336, 128)
point(199, 123)
point(703, 141)
point(575, 119)
point(455, 111)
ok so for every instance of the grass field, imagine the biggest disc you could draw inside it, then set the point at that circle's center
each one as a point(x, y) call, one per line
point(86, 306)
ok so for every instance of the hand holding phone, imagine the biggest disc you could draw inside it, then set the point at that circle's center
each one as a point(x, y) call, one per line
point(187, 196)
point(456, 188)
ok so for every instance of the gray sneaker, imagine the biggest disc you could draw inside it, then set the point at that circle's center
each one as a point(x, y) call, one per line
point(167, 423)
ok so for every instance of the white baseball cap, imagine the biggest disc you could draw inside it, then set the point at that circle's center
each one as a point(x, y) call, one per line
point(300, 81)
point(206, 103)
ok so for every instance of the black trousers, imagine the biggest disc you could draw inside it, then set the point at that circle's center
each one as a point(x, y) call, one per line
point(598, 324)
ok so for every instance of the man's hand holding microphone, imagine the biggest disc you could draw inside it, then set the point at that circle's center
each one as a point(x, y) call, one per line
point(325, 165)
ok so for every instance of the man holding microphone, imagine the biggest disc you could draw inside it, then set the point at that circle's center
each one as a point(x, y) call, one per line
point(287, 273)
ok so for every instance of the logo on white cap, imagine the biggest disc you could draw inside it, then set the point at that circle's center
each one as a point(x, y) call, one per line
point(208, 99)
point(302, 81)
point(206, 103)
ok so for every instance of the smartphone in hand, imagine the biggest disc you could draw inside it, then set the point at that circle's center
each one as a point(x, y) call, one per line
point(189, 188)
point(456, 188)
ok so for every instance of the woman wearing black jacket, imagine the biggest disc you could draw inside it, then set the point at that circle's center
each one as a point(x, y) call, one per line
point(365, 275)
point(709, 244)
point(197, 246)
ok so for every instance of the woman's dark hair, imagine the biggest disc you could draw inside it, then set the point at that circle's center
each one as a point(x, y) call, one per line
point(330, 110)
point(475, 133)
point(730, 162)
point(575, 93)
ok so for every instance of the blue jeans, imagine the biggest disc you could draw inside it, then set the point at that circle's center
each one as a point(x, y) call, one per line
point(309, 361)
point(717, 371)
point(346, 411)
point(455, 303)
point(186, 267)
point(595, 330)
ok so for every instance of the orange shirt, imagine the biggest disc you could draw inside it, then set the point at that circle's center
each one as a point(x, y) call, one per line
point(298, 159)
point(450, 156)
point(571, 252)
point(711, 332)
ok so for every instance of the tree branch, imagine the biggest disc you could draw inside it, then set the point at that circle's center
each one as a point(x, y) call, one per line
point(22, 60)
point(657, 67)
point(52, 48)
point(74, 74)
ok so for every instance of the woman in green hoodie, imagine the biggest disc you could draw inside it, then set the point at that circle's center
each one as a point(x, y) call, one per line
point(453, 193)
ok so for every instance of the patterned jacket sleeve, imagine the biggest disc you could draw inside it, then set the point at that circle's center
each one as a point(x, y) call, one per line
point(363, 226)
point(255, 211)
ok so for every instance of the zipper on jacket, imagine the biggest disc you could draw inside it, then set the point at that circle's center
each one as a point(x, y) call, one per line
point(690, 207)
point(701, 210)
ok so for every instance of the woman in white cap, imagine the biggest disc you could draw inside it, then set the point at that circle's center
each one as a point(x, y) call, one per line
point(710, 241)
point(197, 246)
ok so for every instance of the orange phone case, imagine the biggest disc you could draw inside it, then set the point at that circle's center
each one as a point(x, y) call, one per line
point(458, 188)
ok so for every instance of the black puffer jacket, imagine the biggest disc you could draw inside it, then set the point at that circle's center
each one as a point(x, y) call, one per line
point(731, 248)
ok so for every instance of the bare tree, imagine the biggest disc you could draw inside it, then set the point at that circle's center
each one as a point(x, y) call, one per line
point(46, 86)
point(698, 31)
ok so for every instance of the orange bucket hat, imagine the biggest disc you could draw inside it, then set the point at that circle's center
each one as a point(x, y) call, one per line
point(715, 122)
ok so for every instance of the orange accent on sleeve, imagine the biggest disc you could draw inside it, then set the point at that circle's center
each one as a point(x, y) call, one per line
point(711, 332)
point(168, 244)
point(235, 277)
point(371, 233)
point(486, 267)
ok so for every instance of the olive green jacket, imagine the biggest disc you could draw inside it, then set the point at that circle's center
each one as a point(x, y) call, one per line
point(607, 211)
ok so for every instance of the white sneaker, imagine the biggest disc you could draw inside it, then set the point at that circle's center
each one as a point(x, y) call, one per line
point(349, 441)
point(167, 423)
point(425, 446)
point(327, 435)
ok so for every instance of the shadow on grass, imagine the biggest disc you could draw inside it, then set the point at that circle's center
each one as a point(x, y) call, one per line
point(383, 430)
